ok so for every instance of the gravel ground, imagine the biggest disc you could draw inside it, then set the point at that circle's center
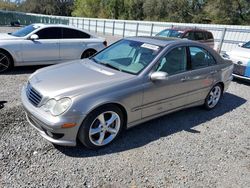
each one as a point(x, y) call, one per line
point(190, 148)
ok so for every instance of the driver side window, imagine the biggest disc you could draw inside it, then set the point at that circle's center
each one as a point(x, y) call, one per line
point(50, 33)
point(174, 62)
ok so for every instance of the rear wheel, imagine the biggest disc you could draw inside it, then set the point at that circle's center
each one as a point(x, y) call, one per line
point(88, 53)
point(6, 62)
point(101, 127)
point(213, 97)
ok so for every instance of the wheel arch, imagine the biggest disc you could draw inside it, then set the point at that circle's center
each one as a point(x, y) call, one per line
point(120, 106)
point(222, 85)
point(88, 49)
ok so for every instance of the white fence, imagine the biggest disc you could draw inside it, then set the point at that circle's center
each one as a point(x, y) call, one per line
point(226, 36)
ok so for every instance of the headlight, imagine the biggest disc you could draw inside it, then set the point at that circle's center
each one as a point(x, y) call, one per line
point(57, 107)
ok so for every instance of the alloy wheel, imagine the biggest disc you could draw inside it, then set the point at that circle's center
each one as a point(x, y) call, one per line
point(104, 128)
point(4, 62)
point(214, 96)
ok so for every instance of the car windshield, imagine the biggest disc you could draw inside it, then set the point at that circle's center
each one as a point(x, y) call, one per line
point(127, 56)
point(170, 33)
point(247, 45)
point(24, 31)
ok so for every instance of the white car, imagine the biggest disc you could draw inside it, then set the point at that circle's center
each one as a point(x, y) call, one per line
point(241, 59)
point(41, 44)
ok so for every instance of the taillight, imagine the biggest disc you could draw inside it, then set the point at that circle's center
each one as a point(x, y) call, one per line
point(105, 43)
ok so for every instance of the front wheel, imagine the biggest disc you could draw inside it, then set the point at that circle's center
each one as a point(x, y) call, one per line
point(101, 127)
point(213, 97)
point(5, 62)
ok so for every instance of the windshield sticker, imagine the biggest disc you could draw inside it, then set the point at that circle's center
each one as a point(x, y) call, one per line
point(150, 46)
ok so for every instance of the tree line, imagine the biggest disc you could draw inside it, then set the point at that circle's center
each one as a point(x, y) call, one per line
point(188, 11)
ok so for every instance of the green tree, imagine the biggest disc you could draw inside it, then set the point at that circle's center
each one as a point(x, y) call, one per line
point(228, 12)
point(87, 8)
point(6, 5)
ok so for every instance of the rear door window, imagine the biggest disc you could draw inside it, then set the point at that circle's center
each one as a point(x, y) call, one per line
point(189, 35)
point(174, 62)
point(74, 34)
point(200, 58)
point(198, 35)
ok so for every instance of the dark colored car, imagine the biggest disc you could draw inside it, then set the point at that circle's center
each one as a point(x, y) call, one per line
point(199, 35)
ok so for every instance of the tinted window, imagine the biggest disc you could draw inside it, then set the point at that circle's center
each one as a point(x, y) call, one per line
point(247, 45)
point(174, 62)
point(209, 36)
point(189, 35)
point(198, 36)
point(50, 33)
point(200, 58)
point(74, 34)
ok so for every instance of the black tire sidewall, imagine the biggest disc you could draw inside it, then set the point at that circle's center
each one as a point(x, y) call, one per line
point(10, 62)
point(83, 133)
point(86, 52)
point(206, 100)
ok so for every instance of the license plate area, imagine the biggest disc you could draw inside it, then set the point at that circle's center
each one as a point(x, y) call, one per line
point(239, 69)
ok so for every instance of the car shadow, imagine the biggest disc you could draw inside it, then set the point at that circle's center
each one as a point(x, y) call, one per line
point(241, 81)
point(161, 127)
point(23, 70)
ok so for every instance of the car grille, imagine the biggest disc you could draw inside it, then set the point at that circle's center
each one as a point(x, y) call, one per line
point(33, 96)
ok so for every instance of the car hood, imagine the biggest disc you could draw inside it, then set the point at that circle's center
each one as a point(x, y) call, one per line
point(240, 52)
point(6, 36)
point(74, 78)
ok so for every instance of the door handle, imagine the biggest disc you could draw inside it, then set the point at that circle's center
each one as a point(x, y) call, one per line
point(185, 79)
point(213, 72)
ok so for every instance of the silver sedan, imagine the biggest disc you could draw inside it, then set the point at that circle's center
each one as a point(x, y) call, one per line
point(40, 44)
point(130, 82)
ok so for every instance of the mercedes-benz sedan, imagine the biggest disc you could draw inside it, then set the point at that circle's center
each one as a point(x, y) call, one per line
point(130, 82)
point(41, 44)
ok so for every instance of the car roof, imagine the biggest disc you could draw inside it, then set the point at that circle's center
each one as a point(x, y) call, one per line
point(42, 25)
point(159, 41)
point(53, 25)
point(187, 29)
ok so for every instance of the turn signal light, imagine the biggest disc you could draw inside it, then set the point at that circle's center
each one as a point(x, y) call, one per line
point(68, 125)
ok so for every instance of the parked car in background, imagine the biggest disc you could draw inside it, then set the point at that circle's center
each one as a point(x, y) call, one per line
point(241, 59)
point(41, 44)
point(199, 35)
point(127, 83)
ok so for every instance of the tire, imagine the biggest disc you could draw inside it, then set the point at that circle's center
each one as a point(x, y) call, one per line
point(101, 127)
point(213, 97)
point(6, 62)
point(88, 53)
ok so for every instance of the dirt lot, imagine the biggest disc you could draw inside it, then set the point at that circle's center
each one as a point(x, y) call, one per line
point(190, 148)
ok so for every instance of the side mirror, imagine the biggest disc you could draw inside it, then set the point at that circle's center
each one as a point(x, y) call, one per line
point(34, 37)
point(158, 76)
point(241, 44)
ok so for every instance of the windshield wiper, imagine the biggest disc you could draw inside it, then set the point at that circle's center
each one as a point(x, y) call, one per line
point(110, 66)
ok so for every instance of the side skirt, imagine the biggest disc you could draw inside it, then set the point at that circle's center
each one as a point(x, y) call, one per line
point(134, 123)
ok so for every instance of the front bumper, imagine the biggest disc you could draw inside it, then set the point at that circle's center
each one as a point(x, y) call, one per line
point(241, 77)
point(50, 127)
point(242, 72)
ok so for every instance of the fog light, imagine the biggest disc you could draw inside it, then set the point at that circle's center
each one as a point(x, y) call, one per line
point(68, 125)
point(49, 134)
